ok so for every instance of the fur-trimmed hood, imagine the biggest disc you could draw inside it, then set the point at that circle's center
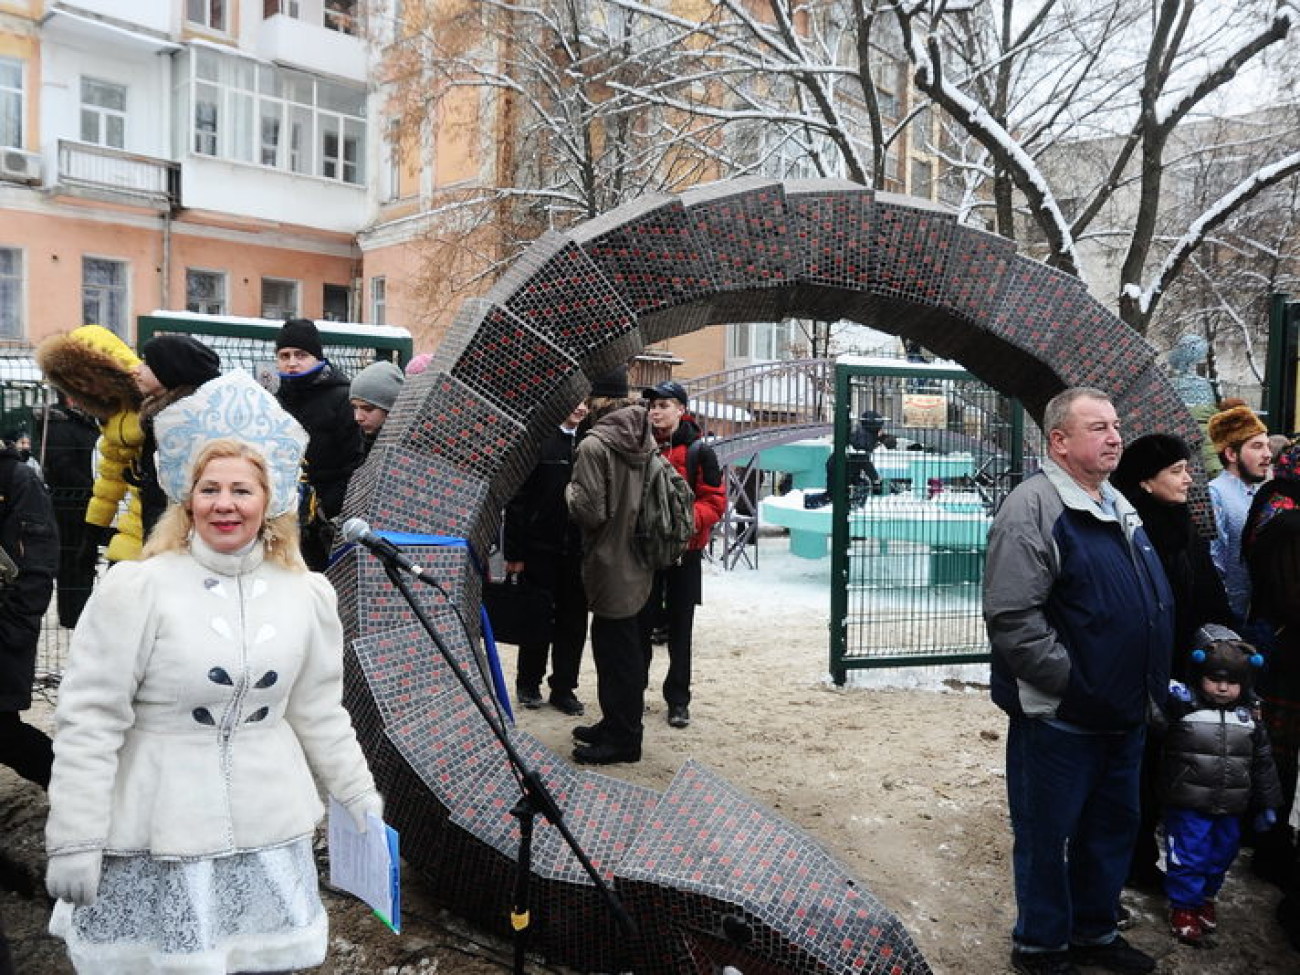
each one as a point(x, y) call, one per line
point(94, 367)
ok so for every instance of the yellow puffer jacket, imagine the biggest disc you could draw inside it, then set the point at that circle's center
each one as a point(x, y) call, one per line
point(94, 367)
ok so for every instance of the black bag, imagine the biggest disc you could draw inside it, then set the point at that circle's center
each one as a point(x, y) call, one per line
point(519, 611)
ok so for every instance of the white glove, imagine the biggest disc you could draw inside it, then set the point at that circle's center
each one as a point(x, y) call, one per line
point(74, 876)
point(362, 806)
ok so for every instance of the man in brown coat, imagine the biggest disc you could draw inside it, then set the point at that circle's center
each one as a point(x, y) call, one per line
point(604, 498)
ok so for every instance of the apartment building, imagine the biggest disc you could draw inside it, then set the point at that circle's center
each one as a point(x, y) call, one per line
point(208, 155)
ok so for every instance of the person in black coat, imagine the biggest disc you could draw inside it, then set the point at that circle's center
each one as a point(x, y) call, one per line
point(68, 438)
point(318, 396)
point(171, 368)
point(30, 560)
point(1270, 546)
point(543, 545)
point(1154, 475)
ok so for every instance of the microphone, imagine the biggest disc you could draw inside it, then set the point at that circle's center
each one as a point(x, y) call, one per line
point(357, 531)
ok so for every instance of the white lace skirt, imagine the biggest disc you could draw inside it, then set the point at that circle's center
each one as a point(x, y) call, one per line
point(251, 912)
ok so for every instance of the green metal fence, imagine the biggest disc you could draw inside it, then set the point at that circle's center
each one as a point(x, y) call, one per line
point(241, 342)
point(908, 545)
point(249, 343)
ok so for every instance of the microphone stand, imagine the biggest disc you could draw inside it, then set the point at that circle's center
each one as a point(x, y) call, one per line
point(534, 797)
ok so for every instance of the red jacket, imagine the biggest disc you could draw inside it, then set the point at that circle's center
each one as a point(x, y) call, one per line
point(710, 493)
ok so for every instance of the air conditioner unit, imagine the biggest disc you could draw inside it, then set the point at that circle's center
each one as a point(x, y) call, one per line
point(17, 166)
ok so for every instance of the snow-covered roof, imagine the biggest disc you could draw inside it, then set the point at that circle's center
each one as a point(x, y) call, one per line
point(19, 369)
point(358, 329)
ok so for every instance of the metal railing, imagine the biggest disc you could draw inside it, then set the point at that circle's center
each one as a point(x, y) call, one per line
point(106, 171)
point(763, 405)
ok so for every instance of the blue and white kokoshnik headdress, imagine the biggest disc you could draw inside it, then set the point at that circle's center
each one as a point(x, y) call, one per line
point(237, 407)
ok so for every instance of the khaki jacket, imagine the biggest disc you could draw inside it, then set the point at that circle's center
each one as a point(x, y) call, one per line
point(604, 498)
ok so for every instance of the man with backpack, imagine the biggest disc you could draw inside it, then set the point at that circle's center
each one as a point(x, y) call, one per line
point(604, 499)
point(677, 588)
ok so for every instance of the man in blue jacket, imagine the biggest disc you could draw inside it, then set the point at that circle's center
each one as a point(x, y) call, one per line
point(1079, 615)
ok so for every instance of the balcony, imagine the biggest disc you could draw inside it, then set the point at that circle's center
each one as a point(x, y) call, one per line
point(118, 177)
point(319, 37)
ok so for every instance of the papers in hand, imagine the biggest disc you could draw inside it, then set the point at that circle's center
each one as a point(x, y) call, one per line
point(365, 864)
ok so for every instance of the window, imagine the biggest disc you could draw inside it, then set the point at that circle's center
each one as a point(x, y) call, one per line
point(760, 341)
point(341, 15)
point(890, 106)
point(379, 301)
point(103, 113)
point(394, 187)
point(279, 298)
point(277, 117)
point(11, 103)
point(205, 292)
point(921, 129)
point(208, 13)
point(103, 294)
point(272, 7)
point(206, 98)
point(11, 293)
point(922, 179)
point(336, 299)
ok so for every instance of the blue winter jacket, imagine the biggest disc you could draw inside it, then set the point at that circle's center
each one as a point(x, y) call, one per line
point(1078, 610)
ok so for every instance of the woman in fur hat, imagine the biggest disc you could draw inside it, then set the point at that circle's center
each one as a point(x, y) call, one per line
point(95, 368)
point(1154, 475)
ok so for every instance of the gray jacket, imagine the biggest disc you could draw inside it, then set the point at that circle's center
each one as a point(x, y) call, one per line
point(604, 498)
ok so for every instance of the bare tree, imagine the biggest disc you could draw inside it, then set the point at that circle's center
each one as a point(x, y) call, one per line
point(531, 100)
point(1223, 293)
point(1032, 86)
point(1141, 72)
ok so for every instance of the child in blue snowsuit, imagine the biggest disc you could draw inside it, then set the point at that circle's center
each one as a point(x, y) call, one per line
point(1218, 767)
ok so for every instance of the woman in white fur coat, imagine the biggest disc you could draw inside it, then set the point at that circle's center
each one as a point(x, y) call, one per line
point(201, 704)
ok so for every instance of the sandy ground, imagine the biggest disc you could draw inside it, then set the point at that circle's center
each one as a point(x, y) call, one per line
point(904, 783)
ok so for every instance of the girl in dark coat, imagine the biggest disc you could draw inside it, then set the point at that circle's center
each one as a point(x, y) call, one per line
point(171, 368)
point(1153, 474)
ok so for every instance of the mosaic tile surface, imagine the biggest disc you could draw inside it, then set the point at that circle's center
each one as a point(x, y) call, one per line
point(710, 877)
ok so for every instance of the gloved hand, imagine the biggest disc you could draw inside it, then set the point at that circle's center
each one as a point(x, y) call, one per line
point(1264, 820)
point(1179, 691)
point(364, 804)
point(74, 876)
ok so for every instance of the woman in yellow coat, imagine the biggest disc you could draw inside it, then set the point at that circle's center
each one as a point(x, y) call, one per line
point(95, 368)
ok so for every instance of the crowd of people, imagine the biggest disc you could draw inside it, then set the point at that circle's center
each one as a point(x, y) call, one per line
point(570, 530)
point(1148, 677)
point(1151, 676)
point(199, 718)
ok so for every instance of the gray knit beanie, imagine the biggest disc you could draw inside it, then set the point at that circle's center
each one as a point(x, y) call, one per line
point(378, 384)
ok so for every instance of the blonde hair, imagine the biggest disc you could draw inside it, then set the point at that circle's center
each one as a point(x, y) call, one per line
point(279, 535)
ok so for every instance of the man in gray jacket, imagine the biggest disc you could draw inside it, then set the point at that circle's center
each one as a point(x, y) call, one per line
point(1079, 615)
point(604, 498)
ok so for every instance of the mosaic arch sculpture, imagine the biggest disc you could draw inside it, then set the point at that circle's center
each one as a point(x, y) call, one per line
point(463, 436)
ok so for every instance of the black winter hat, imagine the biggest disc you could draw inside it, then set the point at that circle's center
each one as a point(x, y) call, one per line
point(1146, 457)
point(180, 360)
point(300, 333)
point(612, 385)
point(668, 389)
